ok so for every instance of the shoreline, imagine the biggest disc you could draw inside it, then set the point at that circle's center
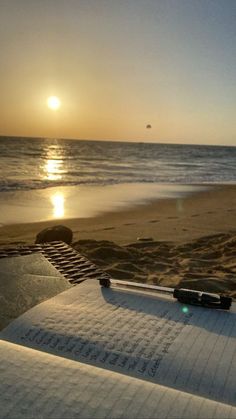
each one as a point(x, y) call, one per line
point(85, 201)
point(178, 220)
point(193, 241)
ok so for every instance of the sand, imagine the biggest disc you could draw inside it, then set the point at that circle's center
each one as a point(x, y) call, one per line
point(192, 240)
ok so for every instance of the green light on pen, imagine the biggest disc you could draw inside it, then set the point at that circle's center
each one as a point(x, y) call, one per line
point(185, 310)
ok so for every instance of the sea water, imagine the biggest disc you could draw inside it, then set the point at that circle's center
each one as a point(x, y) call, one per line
point(40, 177)
point(41, 163)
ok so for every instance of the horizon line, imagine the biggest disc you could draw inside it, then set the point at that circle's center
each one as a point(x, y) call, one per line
point(114, 140)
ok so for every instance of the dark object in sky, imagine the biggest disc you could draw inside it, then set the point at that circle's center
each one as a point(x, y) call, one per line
point(148, 126)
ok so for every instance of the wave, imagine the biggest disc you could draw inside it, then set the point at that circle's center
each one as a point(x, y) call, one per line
point(27, 186)
point(28, 164)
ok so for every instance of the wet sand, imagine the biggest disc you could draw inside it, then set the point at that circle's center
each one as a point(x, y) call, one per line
point(193, 240)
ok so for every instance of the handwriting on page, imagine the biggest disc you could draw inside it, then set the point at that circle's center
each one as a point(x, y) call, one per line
point(120, 339)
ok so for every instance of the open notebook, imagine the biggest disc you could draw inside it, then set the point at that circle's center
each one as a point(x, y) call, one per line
point(108, 352)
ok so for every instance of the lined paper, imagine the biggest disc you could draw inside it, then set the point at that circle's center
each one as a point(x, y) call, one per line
point(137, 335)
point(35, 384)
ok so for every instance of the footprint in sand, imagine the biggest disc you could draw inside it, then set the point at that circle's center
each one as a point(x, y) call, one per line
point(195, 215)
point(129, 224)
point(106, 228)
point(154, 221)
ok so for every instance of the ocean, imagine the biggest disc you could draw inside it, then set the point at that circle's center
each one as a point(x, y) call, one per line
point(52, 179)
point(29, 164)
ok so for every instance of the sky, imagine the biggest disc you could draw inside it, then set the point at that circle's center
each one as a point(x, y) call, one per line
point(118, 65)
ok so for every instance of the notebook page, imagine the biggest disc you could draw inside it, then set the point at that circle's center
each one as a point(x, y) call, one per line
point(136, 334)
point(35, 385)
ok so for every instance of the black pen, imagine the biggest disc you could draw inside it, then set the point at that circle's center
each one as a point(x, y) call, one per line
point(185, 296)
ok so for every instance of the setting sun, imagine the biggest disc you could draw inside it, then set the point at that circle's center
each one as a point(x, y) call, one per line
point(54, 103)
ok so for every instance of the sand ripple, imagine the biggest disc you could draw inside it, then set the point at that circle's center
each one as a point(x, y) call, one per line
point(207, 264)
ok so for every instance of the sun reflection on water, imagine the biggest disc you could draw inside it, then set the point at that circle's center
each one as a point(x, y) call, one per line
point(58, 201)
point(54, 164)
point(53, 169)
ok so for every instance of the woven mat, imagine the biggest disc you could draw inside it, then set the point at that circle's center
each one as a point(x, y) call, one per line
point(70, 263)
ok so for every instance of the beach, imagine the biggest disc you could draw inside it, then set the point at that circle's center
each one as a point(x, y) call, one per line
point(186, 241)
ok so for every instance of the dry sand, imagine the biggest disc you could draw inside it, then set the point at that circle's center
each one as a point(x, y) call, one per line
point(193, 240)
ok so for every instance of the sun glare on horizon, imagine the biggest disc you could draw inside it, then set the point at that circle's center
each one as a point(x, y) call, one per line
point(53, 103)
